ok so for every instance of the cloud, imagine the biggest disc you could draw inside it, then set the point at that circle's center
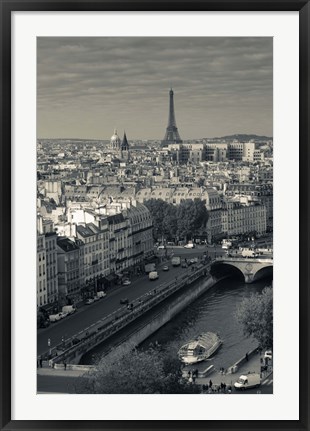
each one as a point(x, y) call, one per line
point(127, 79)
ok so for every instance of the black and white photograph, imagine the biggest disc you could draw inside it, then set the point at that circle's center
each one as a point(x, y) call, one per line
point(154, 215)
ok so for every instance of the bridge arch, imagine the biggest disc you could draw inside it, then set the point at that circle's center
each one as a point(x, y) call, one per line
point(251, 269)
point(220, 269)
point(266, 271)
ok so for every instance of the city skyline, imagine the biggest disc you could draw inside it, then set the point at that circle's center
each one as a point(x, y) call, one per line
point(86, 87)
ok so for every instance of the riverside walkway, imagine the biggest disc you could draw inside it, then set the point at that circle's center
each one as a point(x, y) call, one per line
point(61, 380)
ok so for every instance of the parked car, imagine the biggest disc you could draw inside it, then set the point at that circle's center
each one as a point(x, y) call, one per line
point(161, 247)
point(126, 282)
point(184, 265)
point(89, 301)
point(124, 301)
point(63, 314)
point(69, 309)
point(55, 317)
point(165, 268)
point(96, 298)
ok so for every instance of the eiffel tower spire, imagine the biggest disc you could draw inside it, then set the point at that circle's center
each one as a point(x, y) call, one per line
point(172, 135)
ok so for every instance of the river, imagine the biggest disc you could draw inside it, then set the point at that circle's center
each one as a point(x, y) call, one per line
point(213, 311)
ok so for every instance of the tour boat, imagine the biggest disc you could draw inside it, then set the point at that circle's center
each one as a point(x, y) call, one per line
point(199, 349)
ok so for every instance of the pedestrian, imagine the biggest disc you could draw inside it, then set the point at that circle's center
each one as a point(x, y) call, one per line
point(65, 365)
point(189, 374)
point(41, 361)
point(246, 357)
point(224, 387)
point(210, 383)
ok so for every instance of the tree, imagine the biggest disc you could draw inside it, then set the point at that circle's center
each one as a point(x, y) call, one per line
point(192, 217)
point(136, 372)
point(184, 220)
point(157, 207)
point(169, 221)
point(255, 314)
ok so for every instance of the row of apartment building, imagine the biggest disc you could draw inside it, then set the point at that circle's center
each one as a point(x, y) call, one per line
point(92, 255)
point(215, 152)
point(236, 214)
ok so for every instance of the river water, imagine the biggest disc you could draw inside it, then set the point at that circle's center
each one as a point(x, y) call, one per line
point(213, 311)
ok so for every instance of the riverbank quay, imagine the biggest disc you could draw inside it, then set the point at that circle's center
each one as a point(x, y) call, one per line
point(63, 379)
point(212, 380)
point(187, 287)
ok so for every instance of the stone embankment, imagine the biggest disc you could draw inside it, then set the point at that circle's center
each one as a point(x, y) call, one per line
point(144, 320)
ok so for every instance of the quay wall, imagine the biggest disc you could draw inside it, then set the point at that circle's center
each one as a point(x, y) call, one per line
point(168, 311)
point(171, 310)
point(132, 329)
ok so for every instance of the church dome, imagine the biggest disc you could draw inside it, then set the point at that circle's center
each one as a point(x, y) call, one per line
point(115, 142)
point(115, 138)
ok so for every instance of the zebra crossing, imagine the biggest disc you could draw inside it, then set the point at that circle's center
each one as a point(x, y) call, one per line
point(268, 381)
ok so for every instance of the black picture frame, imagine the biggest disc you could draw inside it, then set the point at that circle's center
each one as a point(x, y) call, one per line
point(7, 7)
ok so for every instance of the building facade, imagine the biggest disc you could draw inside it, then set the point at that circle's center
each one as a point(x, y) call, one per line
point(238, 218)
point(51, 267)
point(41, 271)
point(69, 270)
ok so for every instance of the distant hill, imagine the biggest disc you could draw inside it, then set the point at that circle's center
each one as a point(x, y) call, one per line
point(245, 138)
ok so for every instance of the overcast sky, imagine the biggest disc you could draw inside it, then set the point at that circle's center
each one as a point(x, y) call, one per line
point(88, 86)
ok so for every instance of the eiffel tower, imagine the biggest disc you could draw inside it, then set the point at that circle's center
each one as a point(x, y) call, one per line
point(172, 135)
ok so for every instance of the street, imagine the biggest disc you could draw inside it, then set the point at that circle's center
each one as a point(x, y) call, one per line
point(89, 314)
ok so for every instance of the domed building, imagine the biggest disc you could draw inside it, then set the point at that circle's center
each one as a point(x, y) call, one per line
point(115, 142)
point(119, 149)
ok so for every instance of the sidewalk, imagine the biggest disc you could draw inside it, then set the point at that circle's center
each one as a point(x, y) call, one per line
point(52, 372)
point(252, 365)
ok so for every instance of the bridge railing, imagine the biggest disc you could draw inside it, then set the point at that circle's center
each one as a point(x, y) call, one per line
point(244, 259)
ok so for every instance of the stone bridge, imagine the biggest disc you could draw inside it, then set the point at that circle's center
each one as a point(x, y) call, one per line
point(252, 268)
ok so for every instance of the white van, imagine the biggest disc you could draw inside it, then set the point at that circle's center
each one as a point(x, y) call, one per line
point(247, 381)
point(153, 275)
point(189, 245)
point(69, 309)
point(55, 317)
